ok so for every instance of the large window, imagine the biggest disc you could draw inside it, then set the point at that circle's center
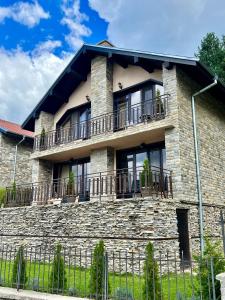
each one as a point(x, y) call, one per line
point(133, 163)
point(75, 122)
point(81, 170)
point(135, 103)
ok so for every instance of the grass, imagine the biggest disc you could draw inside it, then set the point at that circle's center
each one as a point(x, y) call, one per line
point(78, 279)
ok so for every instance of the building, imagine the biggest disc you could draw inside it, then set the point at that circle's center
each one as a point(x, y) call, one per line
point(12, 134)
point(121, 122)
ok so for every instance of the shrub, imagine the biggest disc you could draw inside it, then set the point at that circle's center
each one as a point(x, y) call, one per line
point(212, 255)
point(146, 174)
point(151, 287)
point(97, 272)
point(123, 294)
point(19, 277)
point(58, 280)
point(2, 196)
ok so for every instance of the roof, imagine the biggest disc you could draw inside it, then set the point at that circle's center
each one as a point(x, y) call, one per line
point(9, 127)
point(79, 67)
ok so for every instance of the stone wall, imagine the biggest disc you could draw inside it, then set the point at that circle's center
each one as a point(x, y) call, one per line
point(7, 156)
point(125, 224)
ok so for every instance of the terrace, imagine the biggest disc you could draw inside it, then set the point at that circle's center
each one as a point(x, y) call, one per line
point(119, 120)
point(117, 184)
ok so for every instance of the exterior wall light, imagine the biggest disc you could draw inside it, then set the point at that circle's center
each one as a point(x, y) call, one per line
point(120, 85)
point(88, 98)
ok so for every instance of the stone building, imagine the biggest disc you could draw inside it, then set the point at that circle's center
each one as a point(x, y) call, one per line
point(12, 134)
point(121, 122)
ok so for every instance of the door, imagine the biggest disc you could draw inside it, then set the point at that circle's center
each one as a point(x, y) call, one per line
point(81, 170)
point(183, 235)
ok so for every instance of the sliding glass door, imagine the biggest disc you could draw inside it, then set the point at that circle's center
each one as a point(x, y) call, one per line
point(81, 170)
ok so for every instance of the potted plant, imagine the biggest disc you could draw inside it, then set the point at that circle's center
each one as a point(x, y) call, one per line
point(70, 190)
point(42, 140)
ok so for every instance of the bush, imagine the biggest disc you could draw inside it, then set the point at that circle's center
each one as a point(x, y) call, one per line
point(2, 196)
point(97, 272)
point(146, 174)
point(19, 277)
point(123, 294)
point(151, 287)
point(70, 185)
point(58, 280)
point(212, 255)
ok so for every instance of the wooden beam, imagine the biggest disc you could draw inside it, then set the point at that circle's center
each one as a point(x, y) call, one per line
point(136, 59)
point(57, 95)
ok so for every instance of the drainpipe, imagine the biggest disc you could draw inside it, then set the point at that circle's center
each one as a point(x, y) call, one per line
point(15, 158)
point(197, 159)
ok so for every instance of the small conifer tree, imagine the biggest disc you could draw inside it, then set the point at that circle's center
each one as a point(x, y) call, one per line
point(42, 139)
point(19, 277)
point(97, 273)
point(146, 174)
point(151, 287)
point(70, 186)
point(58, 280)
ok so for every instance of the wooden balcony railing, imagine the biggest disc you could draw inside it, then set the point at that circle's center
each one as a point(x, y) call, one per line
point(124, 183)
point(154, 109)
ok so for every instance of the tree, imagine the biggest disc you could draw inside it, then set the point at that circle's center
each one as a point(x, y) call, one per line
point(212, 259)
point(2, 195)
point(212, 53)
point(98, 274)
point(19, 277)
point(70, 185)
point(151, 287)
point(146, 175)
point(58, 280)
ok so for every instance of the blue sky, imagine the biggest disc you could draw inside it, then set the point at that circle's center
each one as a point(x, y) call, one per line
point(39, 37)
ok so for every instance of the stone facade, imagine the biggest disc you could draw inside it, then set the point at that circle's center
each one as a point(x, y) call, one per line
point(150, 218)
point(7, 157)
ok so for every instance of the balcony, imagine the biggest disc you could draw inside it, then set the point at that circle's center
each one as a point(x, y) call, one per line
point(118, 184)
point(155, 109)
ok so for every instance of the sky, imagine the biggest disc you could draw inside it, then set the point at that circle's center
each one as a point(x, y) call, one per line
point(38, 38)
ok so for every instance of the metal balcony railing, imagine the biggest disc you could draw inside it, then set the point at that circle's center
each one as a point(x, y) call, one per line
point(154, 109)
point(123, 183)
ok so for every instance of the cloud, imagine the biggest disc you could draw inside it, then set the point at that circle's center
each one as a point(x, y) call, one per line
point(28, 14)
point(74, 20)
point(174, 26)
point(24, 79)
point(47, 46)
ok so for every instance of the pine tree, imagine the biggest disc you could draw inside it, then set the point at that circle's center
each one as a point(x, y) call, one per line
point(58, 280)
point(151, 287)
point(212, 53)
point(19, 277)
point(146, 174)
point(70, 185)
point(97, 276)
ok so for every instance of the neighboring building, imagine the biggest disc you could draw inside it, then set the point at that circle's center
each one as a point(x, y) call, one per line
point(10, 135)
point(109, 117)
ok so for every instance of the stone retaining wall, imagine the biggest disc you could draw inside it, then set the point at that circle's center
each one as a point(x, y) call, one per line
point(123, 224)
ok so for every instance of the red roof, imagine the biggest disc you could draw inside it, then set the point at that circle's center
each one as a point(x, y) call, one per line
point(15, 128)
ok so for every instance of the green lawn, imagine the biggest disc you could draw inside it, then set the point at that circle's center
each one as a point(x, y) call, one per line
point(79, 277)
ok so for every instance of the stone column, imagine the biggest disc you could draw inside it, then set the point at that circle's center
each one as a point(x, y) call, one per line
point(42, 170)
point(172, 138)
point(102, 160)
point(101, 86)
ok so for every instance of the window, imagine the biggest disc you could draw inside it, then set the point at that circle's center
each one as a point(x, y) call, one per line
point(75, 123)
point(134, 104)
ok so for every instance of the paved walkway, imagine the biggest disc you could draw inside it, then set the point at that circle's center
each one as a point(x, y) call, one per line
point(9, 293)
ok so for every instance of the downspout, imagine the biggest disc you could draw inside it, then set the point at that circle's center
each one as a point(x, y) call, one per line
point(15, 158)
point(197, 159)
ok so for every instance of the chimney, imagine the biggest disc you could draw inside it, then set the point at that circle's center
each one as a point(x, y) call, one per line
point(105, 43)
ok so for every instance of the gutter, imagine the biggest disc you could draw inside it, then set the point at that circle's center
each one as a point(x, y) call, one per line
point(197, 159)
